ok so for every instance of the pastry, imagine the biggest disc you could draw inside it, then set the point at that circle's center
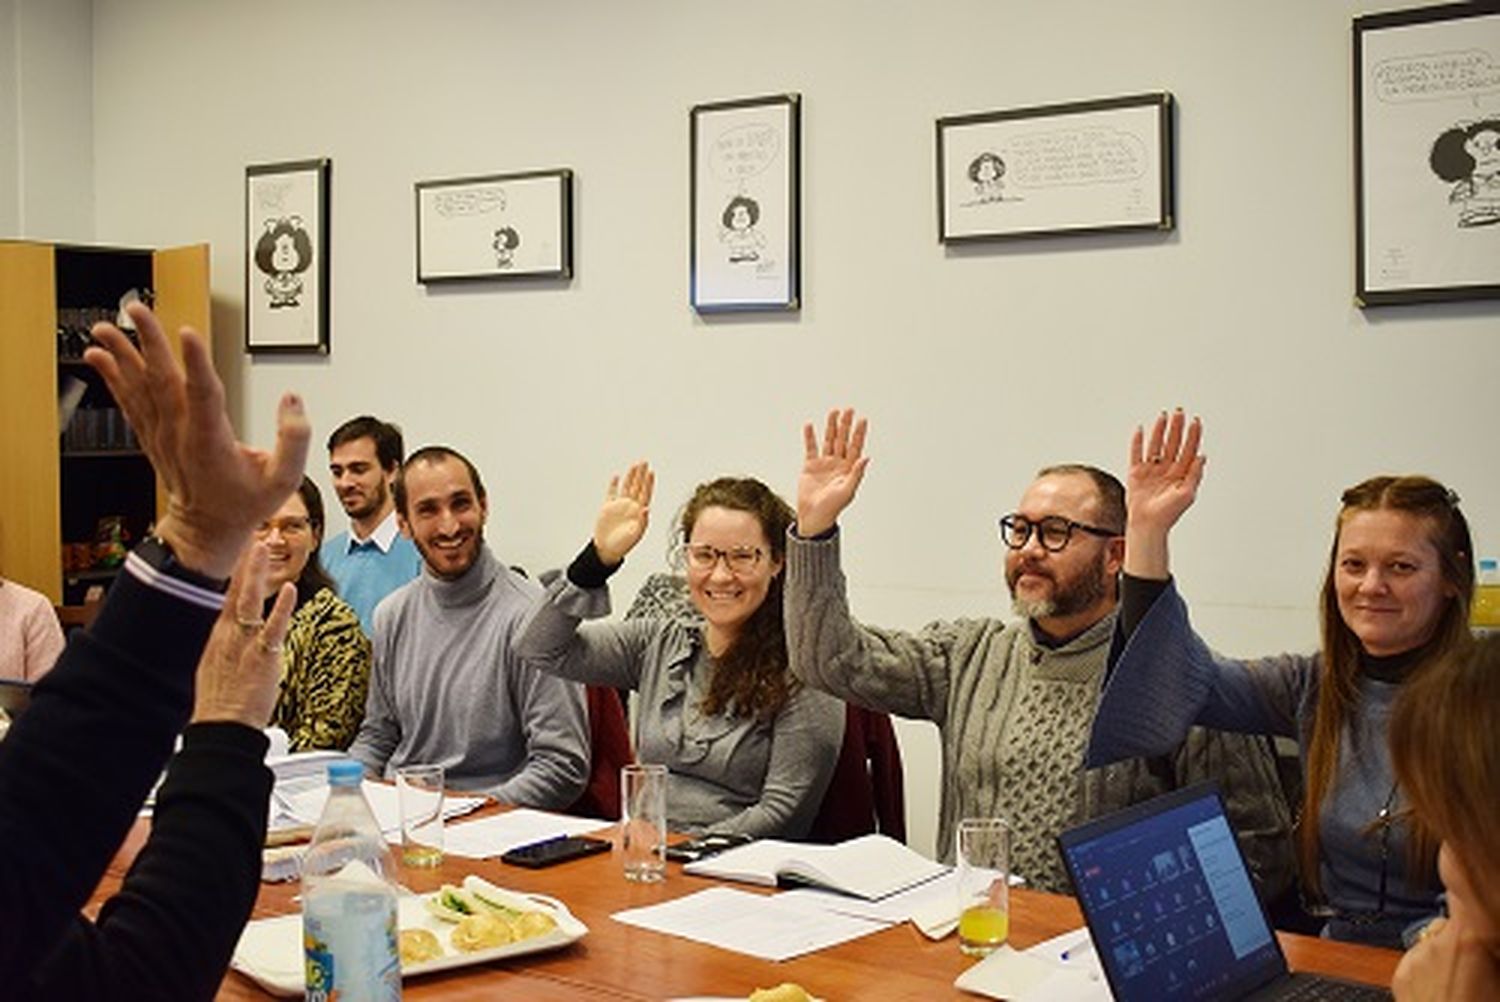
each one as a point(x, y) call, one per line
point(481, 932)
point(419, 946)
point(784, 992)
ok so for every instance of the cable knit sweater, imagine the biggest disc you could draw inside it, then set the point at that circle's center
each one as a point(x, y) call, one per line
point(1014, 717)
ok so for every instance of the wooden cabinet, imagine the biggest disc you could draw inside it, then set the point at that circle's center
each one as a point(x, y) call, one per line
point(57, 483)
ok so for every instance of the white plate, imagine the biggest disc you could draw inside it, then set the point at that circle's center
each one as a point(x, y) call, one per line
point(270, 950)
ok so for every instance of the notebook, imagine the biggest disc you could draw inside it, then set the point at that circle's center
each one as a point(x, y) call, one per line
point(1172, 910)
point(870, 867)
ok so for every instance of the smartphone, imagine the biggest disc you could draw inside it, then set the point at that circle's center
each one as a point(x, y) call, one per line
point(554, 850)
point(706, 845)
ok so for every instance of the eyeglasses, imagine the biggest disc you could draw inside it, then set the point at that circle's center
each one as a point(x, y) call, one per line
point(288, 527)
point(740, 560)
point(1053, 532)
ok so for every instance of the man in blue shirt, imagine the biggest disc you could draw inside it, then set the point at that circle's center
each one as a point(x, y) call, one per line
point(373, 558)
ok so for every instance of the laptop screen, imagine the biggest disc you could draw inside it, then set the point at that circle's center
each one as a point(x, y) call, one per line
point(1169, 902)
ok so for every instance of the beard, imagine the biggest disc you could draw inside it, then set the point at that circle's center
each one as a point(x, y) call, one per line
point(365, 505)
point(1068, 597)
point(450, 565)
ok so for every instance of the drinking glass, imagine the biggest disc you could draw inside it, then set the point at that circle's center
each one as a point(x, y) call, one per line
point(643, 822)
point(983, 856)
point(420, 790)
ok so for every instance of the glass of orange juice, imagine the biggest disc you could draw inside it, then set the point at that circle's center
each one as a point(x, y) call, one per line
point(983, 856)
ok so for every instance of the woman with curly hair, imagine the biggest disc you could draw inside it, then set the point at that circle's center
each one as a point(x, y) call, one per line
point(747, 749)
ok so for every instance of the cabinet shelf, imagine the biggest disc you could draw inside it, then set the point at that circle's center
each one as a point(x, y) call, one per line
point(103, 454)
point(62, 485)
point(97, 574)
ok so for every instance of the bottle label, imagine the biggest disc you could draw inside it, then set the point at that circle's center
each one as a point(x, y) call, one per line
point(349, 942)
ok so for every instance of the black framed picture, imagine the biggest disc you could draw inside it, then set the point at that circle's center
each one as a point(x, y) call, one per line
point(286, 256)
point(1427, 155)
point(495, 227)
point(746, 230)
point(1082, 167)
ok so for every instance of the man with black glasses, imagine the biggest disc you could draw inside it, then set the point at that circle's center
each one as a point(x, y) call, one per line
point(1013, 701)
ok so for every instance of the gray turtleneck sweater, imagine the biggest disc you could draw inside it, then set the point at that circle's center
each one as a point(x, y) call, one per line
point(447, 689)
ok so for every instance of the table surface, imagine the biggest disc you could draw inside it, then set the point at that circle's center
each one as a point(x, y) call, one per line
point(616, 961)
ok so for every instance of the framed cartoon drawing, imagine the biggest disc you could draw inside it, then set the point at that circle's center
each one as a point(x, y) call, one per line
point(1086, 167)
point(745, 235)
point(286, 257)
point(495, 227)
point(1427, 155)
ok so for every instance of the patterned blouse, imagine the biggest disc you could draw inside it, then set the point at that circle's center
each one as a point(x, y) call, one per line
point(325, 675)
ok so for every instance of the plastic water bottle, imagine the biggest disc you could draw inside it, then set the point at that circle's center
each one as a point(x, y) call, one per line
point(348, 901)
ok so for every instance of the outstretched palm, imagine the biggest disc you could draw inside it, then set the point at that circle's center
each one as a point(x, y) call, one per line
point(1164, 474)
point(625, 513)
point(830, 475)
point(218, 489)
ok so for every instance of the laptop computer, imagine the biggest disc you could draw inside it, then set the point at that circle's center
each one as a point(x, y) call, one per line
point(1172, 910)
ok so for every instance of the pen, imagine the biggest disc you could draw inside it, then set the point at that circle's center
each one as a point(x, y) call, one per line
point(1078, 949)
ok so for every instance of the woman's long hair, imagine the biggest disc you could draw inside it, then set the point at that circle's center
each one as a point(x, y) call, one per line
point(313, 578)
point(751, 677)
point(1445, 745)
point(1437, 507)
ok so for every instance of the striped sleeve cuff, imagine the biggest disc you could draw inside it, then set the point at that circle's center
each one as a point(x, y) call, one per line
point(169, 584)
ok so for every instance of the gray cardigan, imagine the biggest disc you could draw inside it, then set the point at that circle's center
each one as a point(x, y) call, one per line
point(1167, 679)
point(727, 773)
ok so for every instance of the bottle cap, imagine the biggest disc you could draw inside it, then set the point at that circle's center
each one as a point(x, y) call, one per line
point(345, 772)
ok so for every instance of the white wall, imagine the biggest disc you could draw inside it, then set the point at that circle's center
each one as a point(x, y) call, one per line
point(46, 120)
point(975, 366)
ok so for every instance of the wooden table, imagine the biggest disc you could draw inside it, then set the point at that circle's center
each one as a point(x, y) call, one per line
point(616, 961)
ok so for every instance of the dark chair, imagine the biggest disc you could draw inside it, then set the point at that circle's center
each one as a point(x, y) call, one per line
point(80, 617)
point(866, 793)
point(609, 749)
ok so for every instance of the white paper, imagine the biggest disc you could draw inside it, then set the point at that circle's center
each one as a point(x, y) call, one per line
point(307, 805)
point(501, 833)
point(1039, 974)
point(761, 926)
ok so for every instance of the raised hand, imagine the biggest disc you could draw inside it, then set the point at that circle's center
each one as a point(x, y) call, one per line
point(239, 675)
point(830, 475)
point(625, 513)
point(219, 489)
point(1162, 484)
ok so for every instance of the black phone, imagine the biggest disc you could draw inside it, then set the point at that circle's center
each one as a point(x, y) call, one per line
point(704, 846)
point(554, 850)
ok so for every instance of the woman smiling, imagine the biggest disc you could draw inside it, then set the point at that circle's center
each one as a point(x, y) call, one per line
point(326, 656)
point(1395, 601)
point(748, 750)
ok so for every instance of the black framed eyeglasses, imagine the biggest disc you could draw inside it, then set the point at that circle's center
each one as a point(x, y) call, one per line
point(1053, 532)
point(739, 560)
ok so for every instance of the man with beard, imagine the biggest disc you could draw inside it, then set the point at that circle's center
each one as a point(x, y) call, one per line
point(1013, 702)
point(373, 558)
point(446, 688)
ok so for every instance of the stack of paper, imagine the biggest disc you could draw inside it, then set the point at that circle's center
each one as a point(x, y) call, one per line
point(766, 926)
point(496, 835)
point(307, 806)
